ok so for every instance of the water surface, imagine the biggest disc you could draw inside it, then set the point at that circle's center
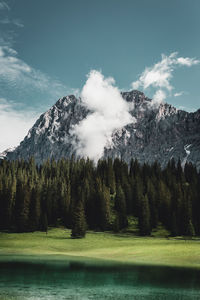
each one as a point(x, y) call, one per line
point(76, 280)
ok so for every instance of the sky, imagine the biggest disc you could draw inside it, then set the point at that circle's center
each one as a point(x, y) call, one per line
point(48, 48)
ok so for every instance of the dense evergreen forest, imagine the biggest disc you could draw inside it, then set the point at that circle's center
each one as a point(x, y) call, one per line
point(81, 196)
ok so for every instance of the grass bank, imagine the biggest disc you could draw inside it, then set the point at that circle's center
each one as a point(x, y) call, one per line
point(120, 248)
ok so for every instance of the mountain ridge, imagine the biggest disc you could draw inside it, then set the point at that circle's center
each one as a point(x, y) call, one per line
point(159, 133)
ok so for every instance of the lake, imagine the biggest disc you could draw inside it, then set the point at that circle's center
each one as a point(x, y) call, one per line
point(77, 280)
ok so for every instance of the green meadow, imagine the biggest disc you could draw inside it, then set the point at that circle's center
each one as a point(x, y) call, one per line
point(101, 246)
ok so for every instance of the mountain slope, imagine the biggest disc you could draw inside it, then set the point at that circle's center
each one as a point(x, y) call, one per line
point(158, 133)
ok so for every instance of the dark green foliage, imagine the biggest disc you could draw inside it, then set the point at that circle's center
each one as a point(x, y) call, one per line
point(116, 226)
point(120, 206)
point(151, 192)
point(144, 217)
point(189, 229)
point(174, 226)
point(34, 212)
point(128, 197)
point(43, 222)
point(111, 176)
point(74, 193)
point(22, 205)
point(102, 207)
point(79, 222)
point(138, 191)
point(164, 204)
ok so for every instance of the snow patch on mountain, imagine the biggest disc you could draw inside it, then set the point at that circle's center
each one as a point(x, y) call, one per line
point(187, 151)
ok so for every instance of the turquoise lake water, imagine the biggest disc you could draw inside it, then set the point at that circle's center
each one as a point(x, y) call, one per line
point(71, 280)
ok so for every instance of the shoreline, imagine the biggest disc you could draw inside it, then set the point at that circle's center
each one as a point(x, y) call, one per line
point(101, 248)
point(82, 262)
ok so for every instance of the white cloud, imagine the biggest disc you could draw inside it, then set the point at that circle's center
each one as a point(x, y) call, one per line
point(186, 61)
point(17, 73)
point(109, 112)
point(22, 81)
point(158, 98)
point(10, 26)
point(178, 94)
point(14, 124)
point(18, 23)
point(4, 5)
point(7, 21)
point(159, 75)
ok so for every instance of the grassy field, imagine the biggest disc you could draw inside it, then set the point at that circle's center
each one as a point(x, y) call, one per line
point(121, 248)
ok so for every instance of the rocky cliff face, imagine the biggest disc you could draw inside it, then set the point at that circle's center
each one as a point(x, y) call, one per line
point(158, 133)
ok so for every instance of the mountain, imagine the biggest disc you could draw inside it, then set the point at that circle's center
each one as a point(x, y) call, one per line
point(159, 133)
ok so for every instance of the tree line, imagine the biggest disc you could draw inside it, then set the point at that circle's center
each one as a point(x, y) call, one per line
point(81, 196)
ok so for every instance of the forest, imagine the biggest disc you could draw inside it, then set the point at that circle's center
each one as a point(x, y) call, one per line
point(83, 196)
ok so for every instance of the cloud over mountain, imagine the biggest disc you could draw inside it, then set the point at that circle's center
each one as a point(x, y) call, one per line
point(159, 75)
point(109, 112)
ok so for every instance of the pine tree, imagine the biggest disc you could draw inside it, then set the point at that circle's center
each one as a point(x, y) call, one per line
point(186, 214)
point(151, 193)
point(137, 195)
point(176, 209)
point(44, 222)
point(34, 213)
point(128, 197)
point(66, 201)
point(79, 222)
point(32, 196)
point(134, 168)
point(163, 203)
point(116, 225)
point(120, 206)
point(174, 227)
point(22, 207)
point(102, 212)
point(111, 177)
point(189, 229)
point(144, 217)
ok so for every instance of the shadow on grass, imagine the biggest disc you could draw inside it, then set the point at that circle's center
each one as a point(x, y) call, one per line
point(57, 237)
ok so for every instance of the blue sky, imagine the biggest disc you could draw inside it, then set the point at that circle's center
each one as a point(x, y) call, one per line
point(48, 47)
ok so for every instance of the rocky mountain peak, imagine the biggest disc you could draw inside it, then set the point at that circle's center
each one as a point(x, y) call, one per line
point(157, 134)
